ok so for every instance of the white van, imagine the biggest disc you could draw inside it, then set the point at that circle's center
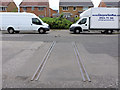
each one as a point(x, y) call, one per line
point(105, 20)
point(16, 22)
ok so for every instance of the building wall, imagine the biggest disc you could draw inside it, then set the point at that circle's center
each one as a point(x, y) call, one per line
point(70, 10)
point(12, 7)
point(36, 11)
point(3, 11)
point(102, 4)
point(51, 12)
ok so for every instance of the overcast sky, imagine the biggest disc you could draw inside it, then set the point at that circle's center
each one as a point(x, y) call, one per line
point(54, 4)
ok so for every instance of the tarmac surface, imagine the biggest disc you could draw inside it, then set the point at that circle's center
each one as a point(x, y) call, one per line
point(23, 53)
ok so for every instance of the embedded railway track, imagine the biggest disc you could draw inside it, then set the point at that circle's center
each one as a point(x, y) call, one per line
point(84, 74)
point(42, 65)
point(83, 71)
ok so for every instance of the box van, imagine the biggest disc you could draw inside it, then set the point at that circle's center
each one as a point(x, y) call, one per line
point(16, 22)
point(105, 20)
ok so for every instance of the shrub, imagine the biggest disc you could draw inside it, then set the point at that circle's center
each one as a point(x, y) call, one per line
point(57, 23)
point(76, 19)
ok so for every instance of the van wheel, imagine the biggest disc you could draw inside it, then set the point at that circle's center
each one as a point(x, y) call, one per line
point(102, 32)
point(11, 31)
point(17, 31)
point(109, 31)
point(77, 31)
point(41, 31)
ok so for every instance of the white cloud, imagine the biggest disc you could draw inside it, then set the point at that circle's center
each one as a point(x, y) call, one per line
point(54, 4)
point(96, 2)
point(17, 2)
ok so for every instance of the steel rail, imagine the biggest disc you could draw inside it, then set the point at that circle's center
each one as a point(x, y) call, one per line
point(80, 61)
point(43, 60)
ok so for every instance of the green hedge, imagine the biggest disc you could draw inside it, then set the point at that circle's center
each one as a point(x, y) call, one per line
point(76, 19)
point(57, 23)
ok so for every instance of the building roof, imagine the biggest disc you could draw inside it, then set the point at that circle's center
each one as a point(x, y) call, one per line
point(110, 2)
point(75, 0)
point(26, 3)
point(5, 3)
point(35, 1)
point(75, 3)
point(54, 10)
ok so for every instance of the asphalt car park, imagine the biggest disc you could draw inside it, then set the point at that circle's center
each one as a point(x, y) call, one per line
point(59, 59)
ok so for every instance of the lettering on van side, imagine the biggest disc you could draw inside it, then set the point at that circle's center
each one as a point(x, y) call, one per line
point(106, 19)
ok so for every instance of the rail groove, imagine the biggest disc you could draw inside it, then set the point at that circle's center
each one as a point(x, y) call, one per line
point(42, 65)
point(83, 71)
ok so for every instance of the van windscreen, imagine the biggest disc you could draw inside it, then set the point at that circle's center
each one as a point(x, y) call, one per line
point(36, 21)
point(83, 21)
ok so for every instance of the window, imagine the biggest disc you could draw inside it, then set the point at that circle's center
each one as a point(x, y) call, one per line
point(65, 8)
point(66, 16)
point(85, 8)
point(32, 8)
point(41, 8)
point(24, 9)
point(83, 21)
point(41, 16)
point(36, 21)
point(74, 8)
point(3, 8)
point(76, 16)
